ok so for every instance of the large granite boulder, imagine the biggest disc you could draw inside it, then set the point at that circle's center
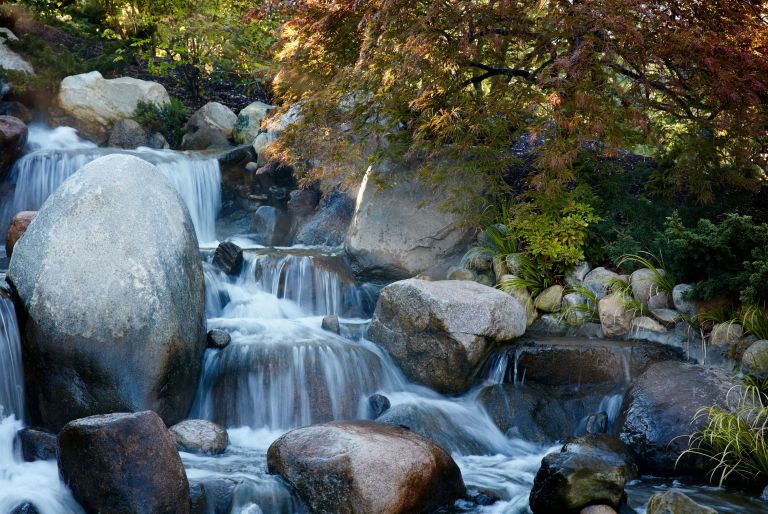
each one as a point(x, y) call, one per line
point(111, 283)
point(248, 122)
point(123, 464)
point(92, 104)
point(658, 413)
point(439, 332)
point(399, 231)
point(13, 137)
point(362, 466)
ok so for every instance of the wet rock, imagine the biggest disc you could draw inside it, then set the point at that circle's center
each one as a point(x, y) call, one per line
point(157, 141)
point(118, 230)
point(457, 273)
point(17, 110)
point(218, 339)
point(377, 405)
point(577, 308)
point(198, 502)
point(400, 231)
point(13, 137)
point(127, 133)
point(480, 262)
point(644, 285)
point(598, 280)
point(439, 332)
point(331, 324)
point(667, 317)
point(755, 359)
point(37, 445)
point(598, 509)
point(212, 123)
point(644, 327)
point(363, 466)
point(302, 202)
point(615, 318)
point(659, 409)
point(248, 122)
point(19, 224)
point(679, 293)
point(726, 334)
point(200, 436)
point(596, 424)
point(92, 104)
point(675, 502)
point(577, 274)
point(328, 225)
point(522, 295)
point(587, 471)
point(550, 299)
point(273, 226)
point(25, 508)
point(214, 496)
point(123, 463)
point(660, 300)
point(228, 258)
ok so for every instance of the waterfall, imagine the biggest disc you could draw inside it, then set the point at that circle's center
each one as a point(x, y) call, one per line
point(54, 155)
point(11, 374)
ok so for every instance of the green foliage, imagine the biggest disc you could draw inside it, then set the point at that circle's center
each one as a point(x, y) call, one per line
point(661, 278)
point(168, 119)
point(734, 441)
point(529, 275)
point(553, 238)
point(719, 258)
point(576, 314)
point(754, 319)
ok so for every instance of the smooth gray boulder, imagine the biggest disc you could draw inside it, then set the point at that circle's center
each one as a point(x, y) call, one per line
point(399, 231)
point(200, 436)
point(111, 283)
point(439, 332)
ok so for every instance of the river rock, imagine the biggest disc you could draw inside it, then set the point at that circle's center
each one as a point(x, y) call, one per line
point(378, 404)
point(577, 274)
point(157, 141)
point(598, 280)
point(218, 339)
point(92, 104)
point(522, 295)
point(17, 110)
point(675, 502)
point(598, 509)
point(25, 508)
point(123, 464)
point(659, 408)
point(399, 231)
point(439, 332)
point(200, 436)
point(110, 279)
point(577, 308)
point(302, 202)
point(10, 60)
point(127, 133)
point(726, 334)
point(550, 299)
point(37, 445)
point(210, 126)
point(459, 273)
point(329, 224)
point(331, 324)
point(13, 137)
point(19, 224)
point(362, 466)
point(248, 122)
point(644, 285)
point(667, 317)
point(228, 257)
point(660, 300)
point(644, 325)
point(615, 318)
point(686, 306)
point(273, 226)
point(755, 359)
point(587, 471)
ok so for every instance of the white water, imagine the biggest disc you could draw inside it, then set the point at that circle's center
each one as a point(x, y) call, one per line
point(53, 155)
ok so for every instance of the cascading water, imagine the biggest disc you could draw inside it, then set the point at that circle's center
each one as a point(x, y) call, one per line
point(53, 155)
point(34, 482)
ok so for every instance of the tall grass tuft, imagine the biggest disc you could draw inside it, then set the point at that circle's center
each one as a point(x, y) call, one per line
point(662, 279)
point(734, 441)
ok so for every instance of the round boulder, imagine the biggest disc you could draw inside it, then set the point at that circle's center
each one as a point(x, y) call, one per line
point(362, 466)
point(200, 436)
point(16, 229)
point(675, 502)
point(659, 409)
point(248, 122)
point(439, 332)
point(123, 464)
point(111, 282)
point(755, 359)
point(13, 137)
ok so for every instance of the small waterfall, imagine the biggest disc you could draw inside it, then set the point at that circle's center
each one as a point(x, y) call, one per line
point(11, 373)
point(281, 370)
point(54, 155)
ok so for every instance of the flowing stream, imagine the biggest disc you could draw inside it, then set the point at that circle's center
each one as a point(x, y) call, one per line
point(281, 370)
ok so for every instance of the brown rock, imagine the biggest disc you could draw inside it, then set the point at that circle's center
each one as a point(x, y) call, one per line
point(597, 509)
point(362, 466)
point(123, 464)
point(13, 137)
point(16, 229)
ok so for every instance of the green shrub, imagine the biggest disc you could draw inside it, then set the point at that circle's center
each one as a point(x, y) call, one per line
point(719, 258)
point(168, 119)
